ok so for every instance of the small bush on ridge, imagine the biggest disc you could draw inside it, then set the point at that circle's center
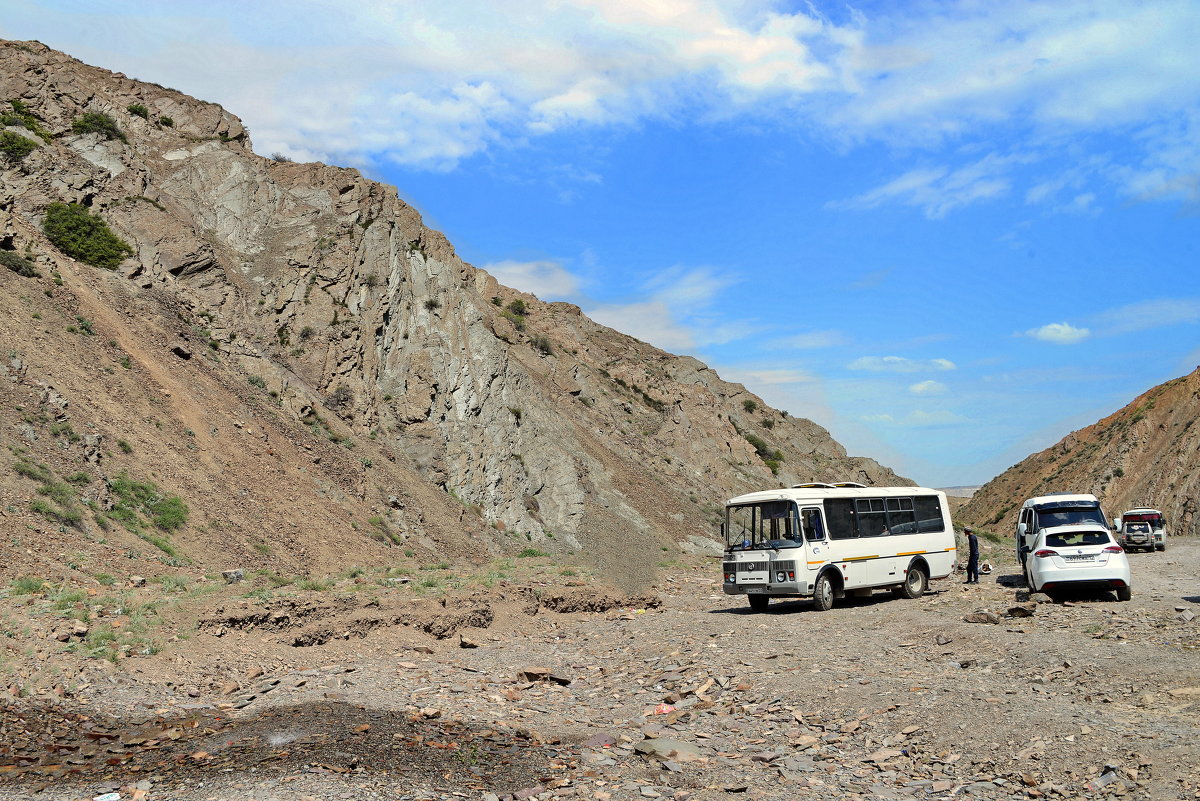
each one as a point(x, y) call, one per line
point(81, 235)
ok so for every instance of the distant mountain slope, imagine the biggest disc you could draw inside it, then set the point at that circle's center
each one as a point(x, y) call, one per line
point(1146, 454)
point(316, 373)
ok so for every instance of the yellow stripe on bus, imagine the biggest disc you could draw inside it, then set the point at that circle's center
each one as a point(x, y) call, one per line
point(911, 553)
point(860, 558)
point(818, 562)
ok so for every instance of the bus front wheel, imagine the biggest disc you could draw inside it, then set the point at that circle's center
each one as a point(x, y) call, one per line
point(823, 593)
point(759, 603)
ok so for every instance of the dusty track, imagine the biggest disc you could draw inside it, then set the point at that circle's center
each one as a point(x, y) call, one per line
point(877, 699)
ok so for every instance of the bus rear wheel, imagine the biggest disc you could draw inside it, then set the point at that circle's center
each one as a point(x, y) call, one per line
point(823, 593)
point(759, 603)
point(914, 584)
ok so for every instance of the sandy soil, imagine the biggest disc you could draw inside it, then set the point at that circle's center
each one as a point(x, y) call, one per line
point(696, 698)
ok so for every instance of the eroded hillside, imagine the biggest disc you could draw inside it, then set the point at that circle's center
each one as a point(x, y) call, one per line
point(316, 374)
point(1146, 454)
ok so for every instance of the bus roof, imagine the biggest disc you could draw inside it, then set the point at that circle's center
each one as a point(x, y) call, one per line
point(821, 493)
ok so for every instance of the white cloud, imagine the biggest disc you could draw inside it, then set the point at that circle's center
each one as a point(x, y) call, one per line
point(431, 83)
point(1059, 333)
point(1150, 314)
point(871, 279)
point(939, 190)
point(811, 340)
point(1106, 62)
point(928, 388)
point(768, 376)
point(899, 364)
point(549, 280)
point(652, 321)
point(919, 418)
point(677, 314)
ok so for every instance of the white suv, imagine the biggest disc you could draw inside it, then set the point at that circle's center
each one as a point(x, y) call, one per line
point(1077, 556)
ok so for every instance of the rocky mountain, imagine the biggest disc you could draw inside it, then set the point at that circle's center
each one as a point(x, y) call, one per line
point(315, 374)
point(1146, 454)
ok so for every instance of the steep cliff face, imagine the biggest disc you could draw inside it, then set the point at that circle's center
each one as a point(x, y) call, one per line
point(486, 424)
point(1146, 454)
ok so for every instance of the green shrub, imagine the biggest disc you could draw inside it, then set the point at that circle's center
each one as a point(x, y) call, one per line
point(124, 446)
point(166, 122)
point(771, 459)
point(542, 345)
point(34, 470)
point(517, 320)
point(60, 493)
point(65, 517)
point(433, 303)
point(138, 110)
point(27, 585)
point(16, 147)
point(651, 401)
point(518, 307)
point(749, 405)
point(169, 513)
point(136, 498)
point(22, 117)
point(531, 552)
point(77, 233)
point(18, 264)
point(312, 584)
point(257, 381)
point(97, 122)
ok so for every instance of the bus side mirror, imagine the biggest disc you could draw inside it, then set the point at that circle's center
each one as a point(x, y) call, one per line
point(1021, 529)
point(722, 531)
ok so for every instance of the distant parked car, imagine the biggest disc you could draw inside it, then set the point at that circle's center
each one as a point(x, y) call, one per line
point(1078, 557)
point(1142, 528)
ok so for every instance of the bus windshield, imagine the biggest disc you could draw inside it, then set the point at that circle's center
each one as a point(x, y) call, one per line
point(1070, 514)
point(772, 524)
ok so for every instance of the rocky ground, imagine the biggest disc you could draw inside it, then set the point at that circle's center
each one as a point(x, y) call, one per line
point(542, 686)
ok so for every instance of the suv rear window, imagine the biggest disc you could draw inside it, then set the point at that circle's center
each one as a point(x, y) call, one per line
point(1068, 539)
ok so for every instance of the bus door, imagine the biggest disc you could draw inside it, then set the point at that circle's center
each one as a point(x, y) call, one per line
point(816, 540)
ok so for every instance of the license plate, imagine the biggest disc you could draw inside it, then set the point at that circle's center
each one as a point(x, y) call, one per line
point(1079, 558)
point(756, 589)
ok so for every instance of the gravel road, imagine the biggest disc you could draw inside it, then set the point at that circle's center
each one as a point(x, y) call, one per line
point(697, 698)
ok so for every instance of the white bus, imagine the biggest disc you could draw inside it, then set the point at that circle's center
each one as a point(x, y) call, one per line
point(827, 540)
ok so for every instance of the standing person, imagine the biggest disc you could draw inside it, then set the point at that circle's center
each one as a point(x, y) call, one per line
point(972, 556)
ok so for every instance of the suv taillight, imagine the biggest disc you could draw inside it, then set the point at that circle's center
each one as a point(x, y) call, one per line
point(1044, 552)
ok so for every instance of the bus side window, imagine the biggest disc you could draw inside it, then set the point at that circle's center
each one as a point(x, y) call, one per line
point(814, 531)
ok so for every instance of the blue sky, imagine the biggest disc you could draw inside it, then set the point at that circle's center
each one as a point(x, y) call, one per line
point(950, 231)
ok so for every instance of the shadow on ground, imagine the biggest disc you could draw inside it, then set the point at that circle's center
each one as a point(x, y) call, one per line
point(51, 748)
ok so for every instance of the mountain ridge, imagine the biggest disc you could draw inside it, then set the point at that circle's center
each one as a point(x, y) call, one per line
point(297, 331)
point(1144, 454)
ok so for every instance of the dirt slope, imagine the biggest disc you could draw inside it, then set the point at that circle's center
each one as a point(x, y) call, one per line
point(1146, 454)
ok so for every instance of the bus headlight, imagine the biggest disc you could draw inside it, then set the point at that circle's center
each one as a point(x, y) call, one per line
point(780, 577)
